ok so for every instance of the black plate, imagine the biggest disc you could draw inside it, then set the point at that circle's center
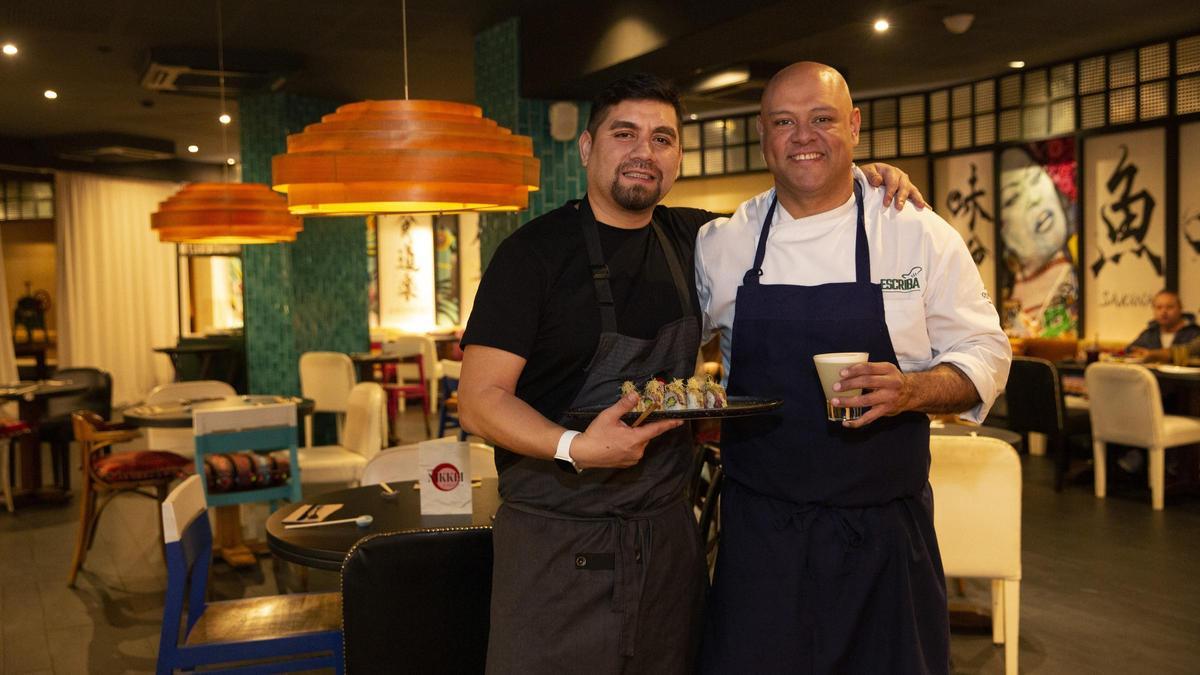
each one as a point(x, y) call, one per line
point(739, 406)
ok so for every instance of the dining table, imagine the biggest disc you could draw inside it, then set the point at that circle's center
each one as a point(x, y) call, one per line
point(325, 547)
point(229, 543)
point(205, 352)
point(32, 398)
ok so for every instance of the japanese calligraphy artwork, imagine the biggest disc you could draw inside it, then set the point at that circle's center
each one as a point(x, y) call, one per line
point(963, 185)
point(1189, 216)
point(469, 272)
point(406, 272)
point(1039, 237)
point(1125, 232)
point(446, 281)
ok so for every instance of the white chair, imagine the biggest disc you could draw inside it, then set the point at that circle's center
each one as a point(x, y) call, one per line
point(1127, 408)
point(362, 439)
point(182, 441)
point(422, 375)
point(401, 464)
point(977, 496)
point(326, 378)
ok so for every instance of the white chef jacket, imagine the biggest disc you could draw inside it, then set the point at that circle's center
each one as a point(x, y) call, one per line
point(935, 304)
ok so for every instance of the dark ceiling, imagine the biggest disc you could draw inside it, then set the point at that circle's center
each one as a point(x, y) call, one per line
point(94, 52)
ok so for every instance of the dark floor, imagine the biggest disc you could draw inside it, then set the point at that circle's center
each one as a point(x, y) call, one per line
point(1110, 586)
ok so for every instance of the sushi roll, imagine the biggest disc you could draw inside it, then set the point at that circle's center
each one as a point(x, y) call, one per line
point(695, 394)
point(652, 397)
point(714, 394)
point(676, 396)
point(631, 388)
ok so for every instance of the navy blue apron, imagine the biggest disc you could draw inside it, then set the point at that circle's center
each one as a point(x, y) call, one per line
point(828, 560)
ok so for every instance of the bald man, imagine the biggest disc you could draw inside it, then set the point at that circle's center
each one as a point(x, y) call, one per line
point(828, 559)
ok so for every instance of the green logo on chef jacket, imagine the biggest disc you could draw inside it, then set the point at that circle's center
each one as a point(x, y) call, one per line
point(907, 283)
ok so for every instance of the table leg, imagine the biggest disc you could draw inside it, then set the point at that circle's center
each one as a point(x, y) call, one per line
point(229, 545)
point(30, 454)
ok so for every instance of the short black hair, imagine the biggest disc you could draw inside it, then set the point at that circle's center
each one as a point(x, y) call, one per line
point(636, 87)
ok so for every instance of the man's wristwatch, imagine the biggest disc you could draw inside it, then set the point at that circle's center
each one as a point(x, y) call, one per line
point(562, 456)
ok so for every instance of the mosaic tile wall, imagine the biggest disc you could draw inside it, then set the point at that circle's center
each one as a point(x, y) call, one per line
point(304, 296)
point(497, 91)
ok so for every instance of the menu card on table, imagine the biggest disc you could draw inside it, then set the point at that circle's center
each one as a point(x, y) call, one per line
point(445, 476)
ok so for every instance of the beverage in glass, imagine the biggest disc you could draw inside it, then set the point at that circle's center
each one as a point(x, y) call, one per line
point(829, 368)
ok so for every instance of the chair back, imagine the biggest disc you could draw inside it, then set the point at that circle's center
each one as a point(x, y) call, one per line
point(187, 536)
point(1034, 397)
point(439, 625)
point(1126, 406)
point(97, 397)
point(259, 428)
point(425, 371)
point(364, 420)
point(977, 496)
point(182, 441)
point(327, 378)
point(401, 464)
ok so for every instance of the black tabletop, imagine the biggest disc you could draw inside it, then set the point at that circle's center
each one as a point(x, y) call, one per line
point(30, 390)
point(1010, 437)
point(326, 547)
point(179, 414)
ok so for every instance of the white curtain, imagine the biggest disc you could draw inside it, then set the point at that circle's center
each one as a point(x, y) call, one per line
point(8, 360)
point(116, 282)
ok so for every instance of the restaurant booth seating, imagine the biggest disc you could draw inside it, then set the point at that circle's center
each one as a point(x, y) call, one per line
point(300, 627)
point(977, 489)
point(419, 601)
point(106, 474)
point(1127, 409)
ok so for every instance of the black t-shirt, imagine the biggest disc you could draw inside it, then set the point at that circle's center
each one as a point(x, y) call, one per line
point(537, 298)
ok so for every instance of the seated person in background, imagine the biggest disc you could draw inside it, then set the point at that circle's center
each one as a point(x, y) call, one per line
point(1169, 326)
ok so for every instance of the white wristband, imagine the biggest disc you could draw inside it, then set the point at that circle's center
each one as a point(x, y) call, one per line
point(564, 446)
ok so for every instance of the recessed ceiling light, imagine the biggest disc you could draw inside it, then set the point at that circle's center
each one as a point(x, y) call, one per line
point(50, 94)
point(693, 116)
point(881, 25)
point(10, 49)
point(193, 148)
point(230, 161)
point(224, 118)
point(1016, 64)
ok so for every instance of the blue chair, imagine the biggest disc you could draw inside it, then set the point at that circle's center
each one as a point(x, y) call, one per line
point(448, 399)
point(263, 428)
point(280, 633)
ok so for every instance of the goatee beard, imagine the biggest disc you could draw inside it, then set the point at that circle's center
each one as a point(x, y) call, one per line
point(634, 197)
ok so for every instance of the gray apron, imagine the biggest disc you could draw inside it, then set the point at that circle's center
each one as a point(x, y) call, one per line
point(602, 572)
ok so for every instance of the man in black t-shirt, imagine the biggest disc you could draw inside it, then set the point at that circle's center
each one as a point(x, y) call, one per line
point(597, 560)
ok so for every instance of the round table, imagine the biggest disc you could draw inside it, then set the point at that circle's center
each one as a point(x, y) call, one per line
point(1010, 437)
point(326, 547)
point(32, 398)
point(179, 415)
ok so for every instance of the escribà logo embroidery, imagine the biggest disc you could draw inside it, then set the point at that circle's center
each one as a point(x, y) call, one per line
point(907, 283)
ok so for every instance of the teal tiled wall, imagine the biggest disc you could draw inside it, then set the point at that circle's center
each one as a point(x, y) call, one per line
point(497, 91)
point(304, 296)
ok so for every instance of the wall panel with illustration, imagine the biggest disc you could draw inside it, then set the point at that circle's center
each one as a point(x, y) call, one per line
point(963, 185)
point(1124, 225)
point(1189, 216)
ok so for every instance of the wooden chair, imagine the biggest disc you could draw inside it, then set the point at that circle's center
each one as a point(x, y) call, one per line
point(977, 487)
point(107, 474)
point(447, 574)
point(294, 632)
point(57, 428)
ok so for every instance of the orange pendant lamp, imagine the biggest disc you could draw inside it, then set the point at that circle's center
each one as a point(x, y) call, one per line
point(405, 156)
point(225, 213)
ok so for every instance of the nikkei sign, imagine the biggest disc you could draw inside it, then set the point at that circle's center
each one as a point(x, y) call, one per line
point(445, 477)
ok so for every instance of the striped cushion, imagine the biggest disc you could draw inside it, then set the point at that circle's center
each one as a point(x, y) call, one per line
point(230, 472)
point(121, 467)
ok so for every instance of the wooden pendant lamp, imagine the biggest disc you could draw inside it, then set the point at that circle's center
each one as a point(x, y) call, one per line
point(224, 213)
point(405, 156)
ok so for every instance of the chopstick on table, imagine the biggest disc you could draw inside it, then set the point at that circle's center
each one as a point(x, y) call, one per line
point(642, 418)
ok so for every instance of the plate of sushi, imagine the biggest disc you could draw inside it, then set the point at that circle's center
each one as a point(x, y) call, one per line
point(694, 398)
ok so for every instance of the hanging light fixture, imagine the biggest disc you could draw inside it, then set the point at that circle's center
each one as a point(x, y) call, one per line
point(409, 156)
point(224, 213)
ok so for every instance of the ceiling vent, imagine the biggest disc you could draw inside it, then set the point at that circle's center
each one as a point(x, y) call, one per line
point(176, 70)
point(109, 148)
